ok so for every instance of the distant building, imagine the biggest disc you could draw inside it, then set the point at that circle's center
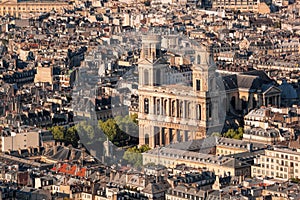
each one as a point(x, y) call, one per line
point(280, 163)
point(19, 139)
point(220, 165)
point(44, 75)
point(18, 8)
point(170, 111)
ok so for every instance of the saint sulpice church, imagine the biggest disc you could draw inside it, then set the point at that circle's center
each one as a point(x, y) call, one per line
point(174, 108)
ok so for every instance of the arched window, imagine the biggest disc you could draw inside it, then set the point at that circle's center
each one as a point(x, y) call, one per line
point(181, 109)
point(165, 107)
point(173, 108)
point(146, 106)
point(198, 85)
point(158, 112)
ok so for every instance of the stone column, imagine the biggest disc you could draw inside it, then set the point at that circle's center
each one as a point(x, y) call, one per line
point(177, 108)
point(161, 106)
point(151, 105)
point(168, 111)
point(177, 135)
point(141, 135)
point(184, 109)
point(167, 136)
point(194, 110)
point(151, 137)
point(162, 136)
point(186, 135)
point(141, 105)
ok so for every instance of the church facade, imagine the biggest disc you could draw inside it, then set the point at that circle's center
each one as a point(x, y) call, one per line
point(175, 112)
point(174, 108)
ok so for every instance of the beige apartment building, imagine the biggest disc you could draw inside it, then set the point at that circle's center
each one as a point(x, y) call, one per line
point(221, 165)
point(280, 163)
point(20, 141)
point(242, 5)
point(19, 8)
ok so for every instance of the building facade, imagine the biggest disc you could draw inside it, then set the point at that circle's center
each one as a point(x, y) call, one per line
point(18, 8)
point(280, 163)
point(175, 112)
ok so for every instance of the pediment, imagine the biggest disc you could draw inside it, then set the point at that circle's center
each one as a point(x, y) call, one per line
point(272, 90)
point(149, 62)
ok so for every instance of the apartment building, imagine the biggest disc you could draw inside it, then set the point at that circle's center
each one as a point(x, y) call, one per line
point(280, 163)
point(18, 8)
point(221, 165)
point(236, 5)
point(23, 138)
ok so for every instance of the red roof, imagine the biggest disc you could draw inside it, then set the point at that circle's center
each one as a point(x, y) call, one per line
point(81, 173)
point(63, 168)
point(72, 170)
point(68, 169)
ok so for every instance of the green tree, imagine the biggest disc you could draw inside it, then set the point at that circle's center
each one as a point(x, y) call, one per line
point(71, 136)
point(134, 155)
point(58, 132)
point(235, 134)
point(109, 128)
point(134, 117)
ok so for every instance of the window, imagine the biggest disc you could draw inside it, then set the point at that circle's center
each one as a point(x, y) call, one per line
point(198, 85)
point(146, 106)
point(198, 114)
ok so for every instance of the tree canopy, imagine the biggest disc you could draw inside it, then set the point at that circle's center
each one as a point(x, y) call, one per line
point(235, 134)
point(134, 155)
point(58, 132)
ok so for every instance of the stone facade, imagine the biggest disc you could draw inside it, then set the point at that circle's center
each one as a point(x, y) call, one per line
point(177, 112)
point(16, 8)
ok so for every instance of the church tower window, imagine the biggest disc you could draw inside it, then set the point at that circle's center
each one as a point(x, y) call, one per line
point(198, 85)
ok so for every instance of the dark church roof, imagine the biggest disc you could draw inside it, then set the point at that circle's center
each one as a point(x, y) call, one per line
point(253, 80)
